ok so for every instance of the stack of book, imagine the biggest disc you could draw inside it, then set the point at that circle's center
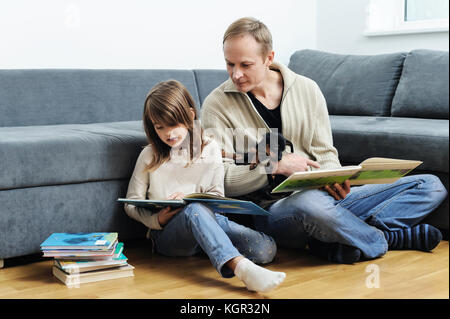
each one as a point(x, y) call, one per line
point(86, 257)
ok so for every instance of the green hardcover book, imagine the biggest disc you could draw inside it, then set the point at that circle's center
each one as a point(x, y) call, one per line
point(375, 170)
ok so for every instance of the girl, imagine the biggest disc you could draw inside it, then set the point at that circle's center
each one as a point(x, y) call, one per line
point(180, 160)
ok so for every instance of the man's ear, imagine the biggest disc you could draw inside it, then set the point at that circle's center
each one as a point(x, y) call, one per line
point(269, 58)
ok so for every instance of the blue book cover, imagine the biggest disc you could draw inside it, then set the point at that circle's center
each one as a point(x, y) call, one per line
point(100, 241)
point(218, 204)
point(151, 204)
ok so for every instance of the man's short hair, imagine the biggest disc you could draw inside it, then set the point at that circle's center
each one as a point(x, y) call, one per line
point(255, 28)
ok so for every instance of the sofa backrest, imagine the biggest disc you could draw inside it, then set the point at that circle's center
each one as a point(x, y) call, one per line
point(423, 87)
point(59, 96)
point(352, 84)
point(208, 80)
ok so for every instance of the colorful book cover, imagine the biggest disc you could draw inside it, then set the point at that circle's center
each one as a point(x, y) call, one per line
point(97, 241)
point(315, 179)
point(74, 265)
point(378, 176)
point(77, 253)
point(294, 185)
point(118, 256)
point(374, 170)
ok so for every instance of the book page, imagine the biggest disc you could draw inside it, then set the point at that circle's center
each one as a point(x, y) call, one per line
point(207, 196)
point(378, 170)
point(382, 163)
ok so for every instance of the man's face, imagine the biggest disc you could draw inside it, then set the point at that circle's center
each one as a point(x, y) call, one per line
point(245, 64)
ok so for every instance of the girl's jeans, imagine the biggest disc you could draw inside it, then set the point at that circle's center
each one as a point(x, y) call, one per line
point(196, 228)
point(357, 220)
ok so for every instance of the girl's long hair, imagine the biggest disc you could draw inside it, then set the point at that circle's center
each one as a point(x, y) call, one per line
point(170, 103)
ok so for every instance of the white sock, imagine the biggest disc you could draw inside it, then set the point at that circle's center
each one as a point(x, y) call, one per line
point(257, 278)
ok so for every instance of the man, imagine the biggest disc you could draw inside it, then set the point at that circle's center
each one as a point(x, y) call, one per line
point(337, 223)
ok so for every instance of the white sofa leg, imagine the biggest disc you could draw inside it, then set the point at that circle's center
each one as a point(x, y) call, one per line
point(1, 263)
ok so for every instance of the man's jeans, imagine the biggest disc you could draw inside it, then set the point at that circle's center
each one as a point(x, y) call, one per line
point(357, 220)
point(196, 228)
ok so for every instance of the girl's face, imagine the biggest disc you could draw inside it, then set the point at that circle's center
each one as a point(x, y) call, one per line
point(173, 136)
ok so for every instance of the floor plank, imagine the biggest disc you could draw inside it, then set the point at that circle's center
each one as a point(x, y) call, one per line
point(397, 275)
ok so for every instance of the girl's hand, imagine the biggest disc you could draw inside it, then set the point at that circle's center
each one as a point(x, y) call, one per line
point(177, 195)
point(165, 214)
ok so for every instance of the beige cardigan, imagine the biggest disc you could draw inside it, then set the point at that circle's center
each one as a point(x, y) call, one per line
point(204, 175)
point(305, 122)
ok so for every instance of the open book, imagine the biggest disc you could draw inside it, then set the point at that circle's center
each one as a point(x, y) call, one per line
point(218, 204)
point(375, 170)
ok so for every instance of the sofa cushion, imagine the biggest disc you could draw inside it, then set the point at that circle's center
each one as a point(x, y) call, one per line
point(359, 137)
point(47, 97)
point(352, 84)
point(423, 88)
point(29, 215)
point(208, 80)
point(69, 153)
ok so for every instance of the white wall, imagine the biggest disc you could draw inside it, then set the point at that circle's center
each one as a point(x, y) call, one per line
point(180, 34)
point(340, 27)
point(176, 34)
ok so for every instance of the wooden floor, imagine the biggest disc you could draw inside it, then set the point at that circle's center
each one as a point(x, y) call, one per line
point(398, 274)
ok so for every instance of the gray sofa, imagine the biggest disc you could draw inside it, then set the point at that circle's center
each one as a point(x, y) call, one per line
point(69, 139)
point(388, 105)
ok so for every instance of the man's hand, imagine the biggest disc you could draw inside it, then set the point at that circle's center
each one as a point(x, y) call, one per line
point(338, 191)
point(291, 163)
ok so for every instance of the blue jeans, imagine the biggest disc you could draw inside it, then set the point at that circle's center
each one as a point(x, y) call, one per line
point(357, 220)
point(196, 228)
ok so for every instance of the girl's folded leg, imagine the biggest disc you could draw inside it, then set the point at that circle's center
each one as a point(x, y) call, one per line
point(192, 230)
point(255, 277)
point(254, 245)
point(195, 228)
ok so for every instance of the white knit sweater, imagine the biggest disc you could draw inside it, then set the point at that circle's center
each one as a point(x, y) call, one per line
point(305, 122)
point(203, 175)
